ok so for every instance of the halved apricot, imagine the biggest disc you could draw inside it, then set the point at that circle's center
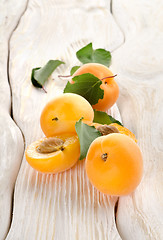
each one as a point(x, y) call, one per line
point(114, 164)
point(114, 128)
point(124, 130)
point(53, 154)
point(60, 114)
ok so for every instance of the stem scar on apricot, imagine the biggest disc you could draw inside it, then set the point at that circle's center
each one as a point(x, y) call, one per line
point(104, 157)
point(62, 148)
point(55, 119)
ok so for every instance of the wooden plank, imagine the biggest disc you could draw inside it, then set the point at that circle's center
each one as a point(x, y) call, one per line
point(12, 146)
point(138, 64)
point(60, 206)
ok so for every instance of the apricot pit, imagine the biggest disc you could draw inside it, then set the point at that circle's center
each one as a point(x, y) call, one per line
point(107, 129)
point(51, 144)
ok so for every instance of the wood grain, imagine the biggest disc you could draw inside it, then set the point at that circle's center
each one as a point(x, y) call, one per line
point(66, 206)
point(11, 140)
point(138, 64)
point(61, 206)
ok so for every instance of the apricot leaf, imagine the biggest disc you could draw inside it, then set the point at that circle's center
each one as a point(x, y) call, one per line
point(87, 135)
point(86, 85)
point(34, 81)
point(88, 55)
point(74, 69)
point(40, 75)
point(104, 118)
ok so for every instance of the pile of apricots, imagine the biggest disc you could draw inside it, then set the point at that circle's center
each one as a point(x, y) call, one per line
point(113, 164)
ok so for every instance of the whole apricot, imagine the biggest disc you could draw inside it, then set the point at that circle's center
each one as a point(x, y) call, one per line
point(109, 85)
point(114, 164)
point(60, 114)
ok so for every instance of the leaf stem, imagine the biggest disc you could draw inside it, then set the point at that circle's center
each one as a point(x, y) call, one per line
point(44, 89)
point(108, 77)
point(61, 76)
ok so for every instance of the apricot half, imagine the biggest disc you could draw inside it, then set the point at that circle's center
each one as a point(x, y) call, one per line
point(115, 127)
point(124, 130)
point(109, 85)
point(114, 164)
point(54, 154)
point(60, 115)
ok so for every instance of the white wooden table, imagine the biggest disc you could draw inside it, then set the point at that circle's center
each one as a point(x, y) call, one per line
point(65, 206)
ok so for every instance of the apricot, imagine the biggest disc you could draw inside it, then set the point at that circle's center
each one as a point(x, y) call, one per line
point(114, 164)
point(124, 130)
point(110, 87)
point(54, 154)
point(60, 114)
point(114, 128)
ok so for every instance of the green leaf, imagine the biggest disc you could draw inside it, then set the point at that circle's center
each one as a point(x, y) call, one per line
point(74, 69)
point(34, 82)
point(40, 75)
point(88, 55)
point(86, 85)
point(85, 54)
point(87, 135)
point(104, 118)
point(102, 56)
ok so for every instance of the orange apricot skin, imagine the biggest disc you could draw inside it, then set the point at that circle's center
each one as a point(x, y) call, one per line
point(110, 87)
point(57, 161)
point(60, 114)
point(122, 171)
